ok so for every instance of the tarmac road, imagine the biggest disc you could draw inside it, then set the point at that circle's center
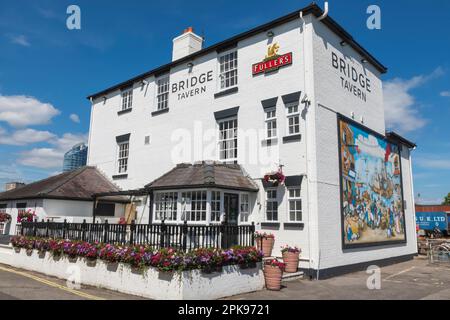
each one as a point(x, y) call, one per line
point(16, 284)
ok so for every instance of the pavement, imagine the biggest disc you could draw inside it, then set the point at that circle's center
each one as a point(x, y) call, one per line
point(411, 280)
point(16, 284)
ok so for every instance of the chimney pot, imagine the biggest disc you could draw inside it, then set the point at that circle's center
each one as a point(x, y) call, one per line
point(186, 44)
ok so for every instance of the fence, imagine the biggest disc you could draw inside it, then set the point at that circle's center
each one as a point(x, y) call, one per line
point(184, 236)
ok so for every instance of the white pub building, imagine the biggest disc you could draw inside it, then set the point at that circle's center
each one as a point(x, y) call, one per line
point(282, 126)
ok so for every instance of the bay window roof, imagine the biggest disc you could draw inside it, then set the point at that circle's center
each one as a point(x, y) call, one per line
point(205, 174)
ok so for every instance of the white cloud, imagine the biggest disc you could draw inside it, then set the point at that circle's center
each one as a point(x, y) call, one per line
point(445, 94)
point(75, 118)
point(20, 40)
point(432, 163)
point(401, 110)
point(49, 158)
point(22, 111)
point(24, 137)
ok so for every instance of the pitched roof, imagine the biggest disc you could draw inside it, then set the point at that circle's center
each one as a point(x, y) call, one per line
point(79, 184)
point(205, 174)
point(313, 8)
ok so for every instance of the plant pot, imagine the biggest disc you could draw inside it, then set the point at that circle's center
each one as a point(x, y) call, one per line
point(73, 259)
point(91, 262)
point(17, 250)
point(291, 260)
point(266, 245)
point(272, 276)
point(29, 252)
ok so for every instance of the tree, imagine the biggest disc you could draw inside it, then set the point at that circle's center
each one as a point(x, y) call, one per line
point(446, 200)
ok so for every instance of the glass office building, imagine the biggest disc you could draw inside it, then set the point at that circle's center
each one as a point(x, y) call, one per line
point(75, 157)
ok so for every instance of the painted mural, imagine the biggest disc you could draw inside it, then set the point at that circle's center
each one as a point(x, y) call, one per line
point(372, 201)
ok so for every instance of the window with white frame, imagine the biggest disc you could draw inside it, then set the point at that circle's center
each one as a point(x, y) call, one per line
point(127, 99)
point(122, 157)
point(244, 207)
point(295, 204)
point(271, 205)
point(271, 123)
point(193, 205)
point(215, 206)
point(228, 64)
point(162, 93)
point(293, 118)
point(166, 206)
point(228, 139)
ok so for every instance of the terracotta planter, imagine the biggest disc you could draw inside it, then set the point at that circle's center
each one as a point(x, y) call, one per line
point(266, 245)
point(273, 275)
point(291, 260)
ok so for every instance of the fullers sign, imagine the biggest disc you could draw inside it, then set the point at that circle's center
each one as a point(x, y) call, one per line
point(273, 60)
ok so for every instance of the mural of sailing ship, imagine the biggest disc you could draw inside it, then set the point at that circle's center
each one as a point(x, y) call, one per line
point(372, 200)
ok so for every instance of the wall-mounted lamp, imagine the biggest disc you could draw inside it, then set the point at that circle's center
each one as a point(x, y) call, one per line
point(364, 60)
point(343, 43)
point(190, 65)
point(144, 82)
point(104, 99)
point(270, 34)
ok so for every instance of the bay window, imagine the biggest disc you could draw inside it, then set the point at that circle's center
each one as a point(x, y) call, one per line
point(193, 205)
point(215, 206)
point(244, 207)
point(166, 206)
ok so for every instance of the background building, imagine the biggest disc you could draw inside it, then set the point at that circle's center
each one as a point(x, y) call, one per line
point(75, 157)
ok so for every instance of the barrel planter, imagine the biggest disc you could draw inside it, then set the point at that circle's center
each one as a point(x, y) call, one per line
point(266, 245)
point(272, 276)
point(291, 260)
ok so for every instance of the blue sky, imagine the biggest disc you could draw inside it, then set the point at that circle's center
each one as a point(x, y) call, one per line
point(46, 70)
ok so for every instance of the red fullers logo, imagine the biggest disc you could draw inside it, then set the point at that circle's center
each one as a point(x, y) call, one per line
point(273, 60)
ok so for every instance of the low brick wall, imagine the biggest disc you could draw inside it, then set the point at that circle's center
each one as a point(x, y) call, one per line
point(150, 283)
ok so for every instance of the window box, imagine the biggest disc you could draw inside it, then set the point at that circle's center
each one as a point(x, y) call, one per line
point(292, 138)
point(226, 92)
point(158, 112)
point(120, 176)
point(124, 111)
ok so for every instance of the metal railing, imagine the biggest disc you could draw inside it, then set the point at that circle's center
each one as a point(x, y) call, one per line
point(181, 236)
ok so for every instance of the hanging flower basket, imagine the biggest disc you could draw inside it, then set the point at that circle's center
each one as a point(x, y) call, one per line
point(27, 216)
point(276, 178)
point(291, 257)
point(273, 273)
point(264, 242)
point(4, 217)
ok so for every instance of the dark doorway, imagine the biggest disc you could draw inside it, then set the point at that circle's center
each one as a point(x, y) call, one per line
point(231, 208)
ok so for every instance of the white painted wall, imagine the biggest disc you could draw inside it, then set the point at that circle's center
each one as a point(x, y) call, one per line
point(329, 99)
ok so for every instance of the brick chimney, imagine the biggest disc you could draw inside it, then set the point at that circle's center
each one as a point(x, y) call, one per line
point(186, 44)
